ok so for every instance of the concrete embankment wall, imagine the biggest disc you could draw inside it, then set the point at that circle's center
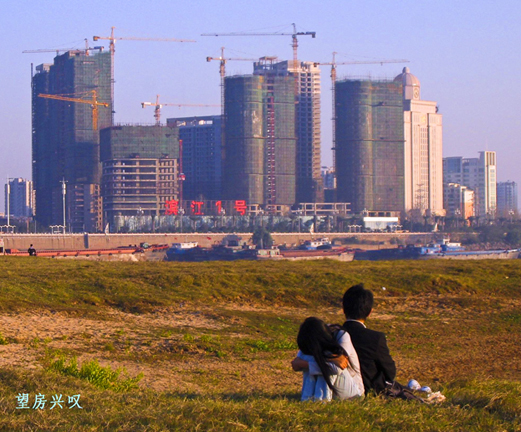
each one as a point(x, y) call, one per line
point(105, 241)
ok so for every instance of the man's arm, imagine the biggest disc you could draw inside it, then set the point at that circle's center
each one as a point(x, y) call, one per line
point(337, 364)
point(384, 360)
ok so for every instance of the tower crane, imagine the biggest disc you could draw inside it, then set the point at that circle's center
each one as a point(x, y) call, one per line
point(333, 75)
point(294, 40)
point(59, 50)
point(112, 48)
point(222, 68)
point(294, 44)
point(93, 102)
point(158, 106)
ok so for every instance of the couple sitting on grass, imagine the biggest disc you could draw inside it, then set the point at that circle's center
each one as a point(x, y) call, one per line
point(344, 362)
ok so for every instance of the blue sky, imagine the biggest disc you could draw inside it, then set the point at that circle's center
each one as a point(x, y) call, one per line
point(465, 53)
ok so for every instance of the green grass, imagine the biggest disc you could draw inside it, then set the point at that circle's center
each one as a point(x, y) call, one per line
point(139, 287)
point(223, 334)
point(91, 371)
point(470, 406)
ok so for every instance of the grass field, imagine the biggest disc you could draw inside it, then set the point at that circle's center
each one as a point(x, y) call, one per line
point(171, 346)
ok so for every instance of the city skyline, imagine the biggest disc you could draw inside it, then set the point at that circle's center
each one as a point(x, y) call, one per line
point(461, 52)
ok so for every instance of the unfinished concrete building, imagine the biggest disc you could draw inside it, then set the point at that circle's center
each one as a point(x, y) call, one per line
point(370, 144)
point(260, 142)
point(66, 139)
point(140, 171)
point(306, 76)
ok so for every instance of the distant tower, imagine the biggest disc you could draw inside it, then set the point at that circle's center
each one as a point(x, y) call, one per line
point(201, 138)
point(21, 197)
point(423, 159)
point(260, 149)
point(507, 198)
point(480, 175)
point(65, 144)
point(309, 185)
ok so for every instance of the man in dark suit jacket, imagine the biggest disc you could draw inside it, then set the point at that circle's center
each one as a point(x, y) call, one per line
point(376, 362)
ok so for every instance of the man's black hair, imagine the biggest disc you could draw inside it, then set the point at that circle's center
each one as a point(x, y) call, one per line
point(357, 302)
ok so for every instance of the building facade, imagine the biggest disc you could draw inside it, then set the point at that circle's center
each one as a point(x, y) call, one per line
point(423, 147)
point(507, 198)
point(65, 137)
point(140, 171)
point(19, 198)
point(202, 156)
point(458, 201)
point(260, 145)
point(309, 187)
point(370, 144)
point(480, 175)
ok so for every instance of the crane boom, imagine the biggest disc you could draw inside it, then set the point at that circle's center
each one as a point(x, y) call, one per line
point(93, 102)
point(112, 48)
point(158, 106)
point(293, 35)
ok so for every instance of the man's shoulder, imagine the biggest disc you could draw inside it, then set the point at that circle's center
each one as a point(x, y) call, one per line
point(355, 327)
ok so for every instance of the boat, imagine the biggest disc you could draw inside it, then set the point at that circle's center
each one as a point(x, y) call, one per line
point(322, 243)
point(441, 250)
point(338, 254)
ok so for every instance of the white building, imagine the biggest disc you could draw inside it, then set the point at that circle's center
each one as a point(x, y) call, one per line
point(423, 146)
point(309, 187)
point(479, 174)
point(458, 200)
point(20, 194)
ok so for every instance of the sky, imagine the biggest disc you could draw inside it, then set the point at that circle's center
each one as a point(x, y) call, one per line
point(466, 54)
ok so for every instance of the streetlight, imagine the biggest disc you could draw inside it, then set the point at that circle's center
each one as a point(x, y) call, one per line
point(511, 212)
point(222, 212)
point(64, 192)
point(181, 213)
point(8, 227)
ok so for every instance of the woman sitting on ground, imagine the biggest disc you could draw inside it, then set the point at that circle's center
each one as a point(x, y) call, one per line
point(328, 361)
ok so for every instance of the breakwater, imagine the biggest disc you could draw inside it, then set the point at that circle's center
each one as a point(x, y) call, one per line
point(103, 241)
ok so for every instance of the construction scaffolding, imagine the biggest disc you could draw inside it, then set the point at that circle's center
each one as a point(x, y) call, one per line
point(370, 144)
point(140, 171)
point(65, 141)
point(260, 148)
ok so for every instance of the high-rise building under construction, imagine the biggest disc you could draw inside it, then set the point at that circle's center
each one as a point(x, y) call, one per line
point(369, 144)
point(306, 76)
point(260, 144)
point(388, 147)
point(66, 139)
point(140, 171)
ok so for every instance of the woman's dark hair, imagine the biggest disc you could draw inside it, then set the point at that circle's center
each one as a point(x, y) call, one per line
point(315, 338)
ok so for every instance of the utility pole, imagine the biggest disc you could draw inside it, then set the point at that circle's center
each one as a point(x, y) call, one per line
point(64, 192)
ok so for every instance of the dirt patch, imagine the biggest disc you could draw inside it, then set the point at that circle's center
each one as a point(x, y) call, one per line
point(433, 339)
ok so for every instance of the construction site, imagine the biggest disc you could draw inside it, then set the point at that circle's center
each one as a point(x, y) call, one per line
point(261, 154)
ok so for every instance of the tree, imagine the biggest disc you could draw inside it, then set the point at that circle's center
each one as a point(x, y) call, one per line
point(262, 238)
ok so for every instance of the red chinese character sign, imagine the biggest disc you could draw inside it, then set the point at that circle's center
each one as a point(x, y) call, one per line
point(172, 207)
point(240, 207)
point(196, 207)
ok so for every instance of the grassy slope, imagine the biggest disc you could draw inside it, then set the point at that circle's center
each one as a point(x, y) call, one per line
point(138, 287)
point(454, 325)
